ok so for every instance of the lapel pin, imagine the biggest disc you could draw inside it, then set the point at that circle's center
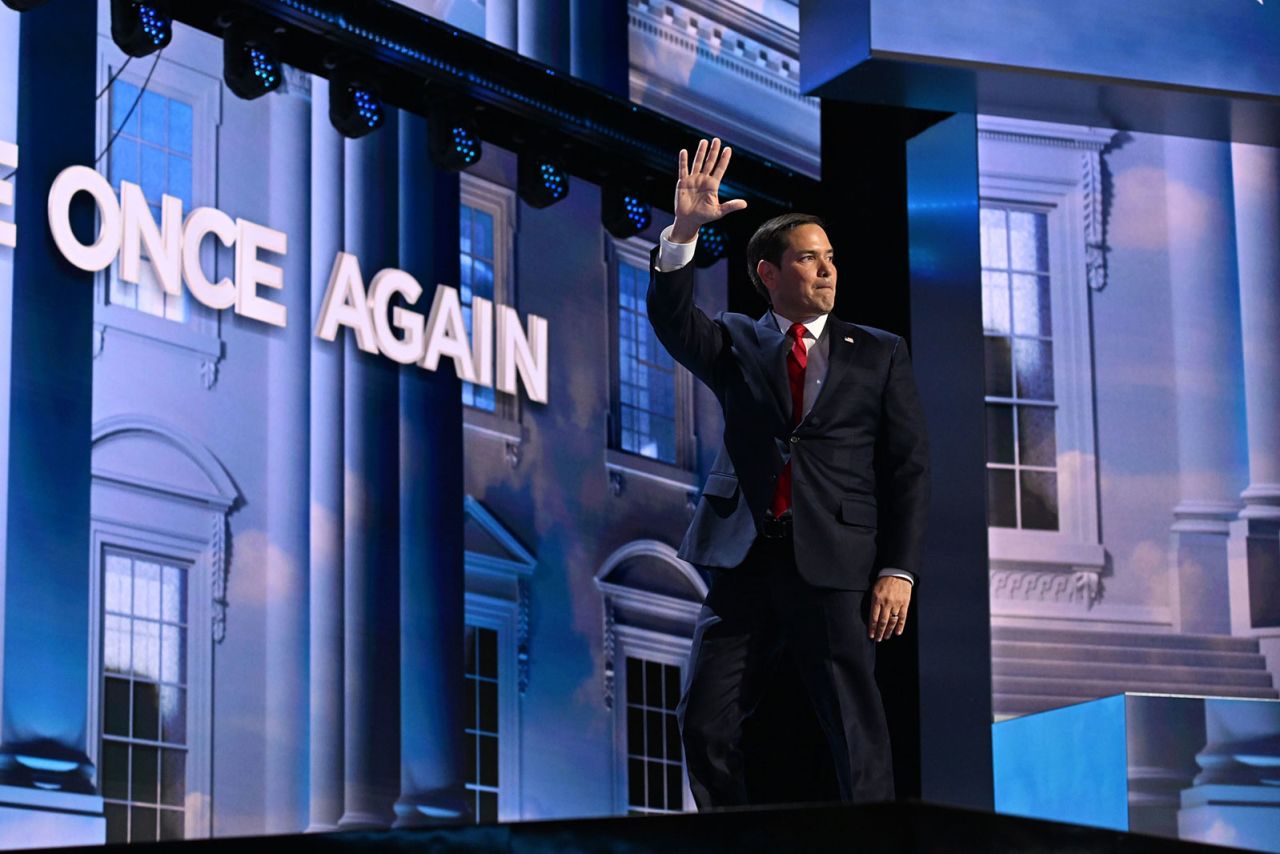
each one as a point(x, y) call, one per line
point(848, 339)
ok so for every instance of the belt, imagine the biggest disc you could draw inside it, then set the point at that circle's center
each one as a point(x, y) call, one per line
point(775, 529)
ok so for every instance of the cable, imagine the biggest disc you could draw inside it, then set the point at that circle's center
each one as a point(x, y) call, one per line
point(119, 71)
point(127, 115)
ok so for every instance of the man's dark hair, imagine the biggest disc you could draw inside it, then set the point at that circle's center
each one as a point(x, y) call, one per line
point(770, 241)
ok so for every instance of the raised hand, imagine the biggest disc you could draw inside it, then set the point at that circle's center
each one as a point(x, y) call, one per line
point(698, 190)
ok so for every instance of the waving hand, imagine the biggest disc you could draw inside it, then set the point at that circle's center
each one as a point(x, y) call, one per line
point(698, 190)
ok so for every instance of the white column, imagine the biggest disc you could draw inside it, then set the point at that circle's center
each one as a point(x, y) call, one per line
point(371, 578)
point(288, 351)
point(500, 23)
point(1255, 536)
point(543, 31)
point(1206, 323)
point(325, 477)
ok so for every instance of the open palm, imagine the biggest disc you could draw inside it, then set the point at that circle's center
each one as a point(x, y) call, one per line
point(698, 190)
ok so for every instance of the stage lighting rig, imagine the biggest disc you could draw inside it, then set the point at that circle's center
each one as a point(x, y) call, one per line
point(251, 60)
point(541, 179)
point(453, 139)
point(712, 245)
point(355, 105)
point(141, 27)
point(622, 211)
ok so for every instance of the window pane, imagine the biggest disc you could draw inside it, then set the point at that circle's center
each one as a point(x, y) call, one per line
point(671, 690)
point(144, 785)
point(1037, 445)
point(674, 749)
point(488, 806)
point(173, 777)
point(115, 707)
point(999, 433)
point(473, 750)
point(1039, 500)
point(171, 824)
point(179, 183)
point(146, 711)
point(115, 770)
point(175, 595)
point(153, 173)
point(489, 653)
point(1034, 362)
point(995, 302)
point(180, 134)
point(122, 98)
point(994, 238)
point(488, 760)
point(635, 731)
point(635, 782)
point(116, 654)
point(146, 594)
point(1001, 506)
point(654, 735)
point(173, 715)
point(117, 822)
point(154, 118)
point(488, 706)
point(655, 784)
point(464, 229)
point(118, 585)
point(142, 824)
point(674, 800)
point(1031, 305)
point(146, 649)
point(482, 246)
point(1028, 241)
point(999, 368)
point(173, 655)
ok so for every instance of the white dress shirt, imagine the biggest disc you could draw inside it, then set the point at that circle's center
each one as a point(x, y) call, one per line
point(673, 256)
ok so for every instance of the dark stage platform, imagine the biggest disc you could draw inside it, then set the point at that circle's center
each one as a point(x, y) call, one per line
point(901, 827)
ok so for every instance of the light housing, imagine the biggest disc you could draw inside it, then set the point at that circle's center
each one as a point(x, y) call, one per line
point(251, 60)
point(623, 211)
point(541, 179)
point(713, 243)
point(453, 139)
point(141, 27)
point(355, 104)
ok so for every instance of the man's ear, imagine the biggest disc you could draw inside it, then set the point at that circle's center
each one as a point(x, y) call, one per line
point(767, 273)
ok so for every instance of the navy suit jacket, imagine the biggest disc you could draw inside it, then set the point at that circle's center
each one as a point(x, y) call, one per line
point(859, 458)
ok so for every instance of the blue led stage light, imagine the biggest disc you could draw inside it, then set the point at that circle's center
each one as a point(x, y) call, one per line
point(355, 106)
point(712, 245)
point(623, 211)
point(541, 179)
point(453, 139)
point(250, 61)
point(141, 27)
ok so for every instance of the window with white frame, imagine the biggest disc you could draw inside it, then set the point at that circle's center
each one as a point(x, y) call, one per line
point(651, 602)
point(144, 697)
point(1017, 319)
point(655, 757)
point(651, 410)
point(483, 721)
point(1039, 210)
point(486, 249)
point(160, 134)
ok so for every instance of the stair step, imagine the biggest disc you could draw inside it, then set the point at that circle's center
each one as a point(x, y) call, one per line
point(1031, 650)
point(1147, 640)
point(1093, 688)
point(1133, 673)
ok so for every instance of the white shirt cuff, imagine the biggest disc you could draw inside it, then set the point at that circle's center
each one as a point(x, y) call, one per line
point(671, 255)
point(897, 573)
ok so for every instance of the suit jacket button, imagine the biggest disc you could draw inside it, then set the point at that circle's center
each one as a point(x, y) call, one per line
point(795, 440)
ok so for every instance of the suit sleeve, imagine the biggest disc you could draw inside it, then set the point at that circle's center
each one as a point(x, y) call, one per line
point(693, 339)
point(902, 467)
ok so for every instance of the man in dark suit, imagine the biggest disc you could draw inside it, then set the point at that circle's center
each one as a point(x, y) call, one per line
point(812, 517)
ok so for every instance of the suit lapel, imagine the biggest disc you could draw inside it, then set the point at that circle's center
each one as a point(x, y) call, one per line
point(842, 344)
point(773, 361)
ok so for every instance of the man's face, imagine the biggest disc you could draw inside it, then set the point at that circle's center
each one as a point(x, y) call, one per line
point(805, 283)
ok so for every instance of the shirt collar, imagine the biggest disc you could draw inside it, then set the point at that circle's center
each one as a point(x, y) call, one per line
point(813, 327)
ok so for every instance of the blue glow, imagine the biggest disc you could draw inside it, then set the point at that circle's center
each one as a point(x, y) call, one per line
point(39, 763)
point(553, 180)
point(264, 68)
point(711, 240)
point(466, 145)
point(155, 25)
point(368, 106)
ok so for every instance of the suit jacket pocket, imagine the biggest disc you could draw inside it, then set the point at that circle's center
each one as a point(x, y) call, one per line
point(720, 485)
point(856, 510)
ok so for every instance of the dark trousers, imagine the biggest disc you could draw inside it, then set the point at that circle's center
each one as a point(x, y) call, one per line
point(752, 614)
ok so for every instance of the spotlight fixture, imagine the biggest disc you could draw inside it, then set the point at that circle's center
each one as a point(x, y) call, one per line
point(453, 139)
point(622, 211)
point(250, 60)
point(22, 5)
point(355, 106)
point(712, 245)
point(541, 180)
point(141, 27)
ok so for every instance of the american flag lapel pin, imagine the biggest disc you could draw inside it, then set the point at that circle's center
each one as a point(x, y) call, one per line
point(848, 339)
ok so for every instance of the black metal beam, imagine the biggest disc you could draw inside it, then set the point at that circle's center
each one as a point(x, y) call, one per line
point(516, 101)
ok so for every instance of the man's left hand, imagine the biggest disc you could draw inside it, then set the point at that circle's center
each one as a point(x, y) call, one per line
point(889, 601)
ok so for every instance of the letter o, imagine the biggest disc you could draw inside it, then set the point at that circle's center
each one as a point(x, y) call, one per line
point(82, 179)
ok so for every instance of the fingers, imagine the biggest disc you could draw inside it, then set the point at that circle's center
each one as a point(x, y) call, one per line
point(887, 615)
point(902, 621)
point(683, 171)
point(731, 206)
point(699, 156)
point(723, 163)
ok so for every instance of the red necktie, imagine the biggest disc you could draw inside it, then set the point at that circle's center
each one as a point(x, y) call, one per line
point(797, 359)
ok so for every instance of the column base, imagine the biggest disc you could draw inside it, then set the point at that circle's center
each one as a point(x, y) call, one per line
point(36, 817)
